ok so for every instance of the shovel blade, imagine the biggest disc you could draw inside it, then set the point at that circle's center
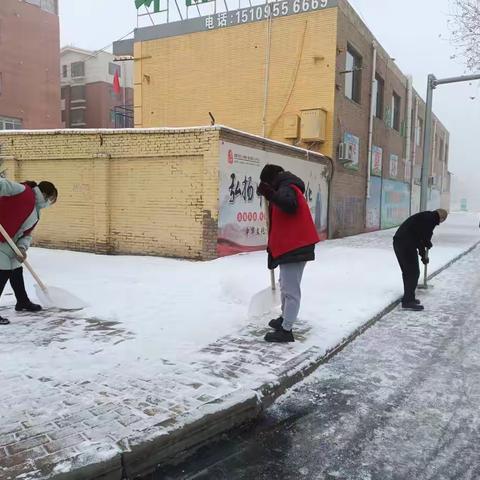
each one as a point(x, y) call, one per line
point(264, 301)
point(59, 298)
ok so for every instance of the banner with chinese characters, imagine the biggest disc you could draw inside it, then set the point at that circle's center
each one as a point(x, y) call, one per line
point(408, 170)
point(148, 3)
point(393, 165)
point(189, 3)
point(377, 161)
point(241, 219)
point(415, 202)
point(352, 146)
point(257, 13)
point(395, 203)
point(373, 204)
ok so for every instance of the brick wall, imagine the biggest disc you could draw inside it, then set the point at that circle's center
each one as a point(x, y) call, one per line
point(127, 192)
point(29, 64)
point(145, 192)
point(178, 80)
point(350, 186)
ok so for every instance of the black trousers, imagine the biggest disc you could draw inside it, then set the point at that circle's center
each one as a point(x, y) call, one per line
point(16, 281)
point(407, 256)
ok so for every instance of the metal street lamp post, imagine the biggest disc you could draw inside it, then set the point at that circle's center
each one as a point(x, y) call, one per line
point(432, 84)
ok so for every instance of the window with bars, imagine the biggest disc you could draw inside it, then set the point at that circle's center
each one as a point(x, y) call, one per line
point(78, 69)
point(353, 75)
point(395, 120)
point(77, 92)
point(7, 123)
point(113, 67)
point(77, 117)
point(378, 94)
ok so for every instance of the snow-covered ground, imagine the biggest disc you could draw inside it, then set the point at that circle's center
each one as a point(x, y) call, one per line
point(163, 340)
point(171, 308)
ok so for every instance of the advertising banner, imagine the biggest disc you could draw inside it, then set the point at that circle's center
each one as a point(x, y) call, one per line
point(241, 219)
point(373, 204)
point(377, 161)
point(395, 203)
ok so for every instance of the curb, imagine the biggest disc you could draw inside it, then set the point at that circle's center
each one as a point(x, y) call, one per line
point(178, 444)
point(271, 392)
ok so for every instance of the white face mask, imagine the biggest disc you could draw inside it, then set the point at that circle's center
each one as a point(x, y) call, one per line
point(45, 203)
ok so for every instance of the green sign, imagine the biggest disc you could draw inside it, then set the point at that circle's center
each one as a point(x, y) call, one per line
point(148, 3)
point(197, 2)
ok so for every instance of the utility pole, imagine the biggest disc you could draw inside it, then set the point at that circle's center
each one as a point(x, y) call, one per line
point(432, 84)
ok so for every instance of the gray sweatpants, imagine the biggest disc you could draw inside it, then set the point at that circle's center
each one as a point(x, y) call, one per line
point(290, 280)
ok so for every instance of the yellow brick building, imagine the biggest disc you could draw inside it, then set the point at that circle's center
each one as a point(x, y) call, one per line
point(303, 72)
point(251, 76)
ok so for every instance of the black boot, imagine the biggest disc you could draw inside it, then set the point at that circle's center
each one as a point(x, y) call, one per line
point(18, 286)
point(417, 301)
point(4, 321)
point(414, 306)
point(276, 323)
point(280, 336)
point(27, 306)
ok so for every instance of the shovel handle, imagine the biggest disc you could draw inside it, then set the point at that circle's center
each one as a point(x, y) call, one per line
point(9, 240)
point(425, 269)
point(267, 220)
point(272, 280)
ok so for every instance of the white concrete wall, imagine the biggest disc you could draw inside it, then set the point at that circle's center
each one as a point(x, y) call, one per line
point(96, 68)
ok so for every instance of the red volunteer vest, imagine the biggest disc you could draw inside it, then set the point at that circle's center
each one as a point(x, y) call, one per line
point(15, 210)
point(289, 231)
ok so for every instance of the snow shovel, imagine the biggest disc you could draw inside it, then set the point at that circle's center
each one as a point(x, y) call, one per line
point(48, 296)
point(267, 299)
point(424, 285)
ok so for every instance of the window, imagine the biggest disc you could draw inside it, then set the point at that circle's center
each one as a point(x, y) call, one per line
point(112, 68)
point(64, 71)
point(49, 6)
point(353, 75)
point(396, 100)
point(419, 138)
point(63, 93)
point(378, 92)
point(78, 69)
point(77, 93)
point(7, 123)
point(1, 83)
point(64, 116)
point(77, 117)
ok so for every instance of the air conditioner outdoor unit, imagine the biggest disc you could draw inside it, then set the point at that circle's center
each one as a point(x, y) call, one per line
point(344, 153)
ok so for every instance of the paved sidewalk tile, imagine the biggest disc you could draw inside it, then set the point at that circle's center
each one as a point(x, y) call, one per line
point(48, 426)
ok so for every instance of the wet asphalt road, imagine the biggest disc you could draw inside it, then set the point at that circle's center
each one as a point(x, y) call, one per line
point(400, 403)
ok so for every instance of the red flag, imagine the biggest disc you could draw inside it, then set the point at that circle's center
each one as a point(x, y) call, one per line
point(116, 83)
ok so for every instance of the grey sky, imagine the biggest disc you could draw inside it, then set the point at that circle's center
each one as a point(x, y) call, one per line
point(413, 32)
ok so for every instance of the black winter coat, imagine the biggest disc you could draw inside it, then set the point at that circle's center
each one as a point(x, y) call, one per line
point(418, 230)
point(285, 198)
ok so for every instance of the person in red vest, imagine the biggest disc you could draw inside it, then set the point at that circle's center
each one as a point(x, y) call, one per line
point(291, 242)
point(20, 205)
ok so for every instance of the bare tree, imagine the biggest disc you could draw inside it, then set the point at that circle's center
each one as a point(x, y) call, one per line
point(465, 31)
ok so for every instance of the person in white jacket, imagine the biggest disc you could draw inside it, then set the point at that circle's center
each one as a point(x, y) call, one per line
point(20, 206)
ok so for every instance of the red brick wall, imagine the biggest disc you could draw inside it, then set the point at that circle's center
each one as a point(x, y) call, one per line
point(29, 64)
point(349, 187)
point(100, 101)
